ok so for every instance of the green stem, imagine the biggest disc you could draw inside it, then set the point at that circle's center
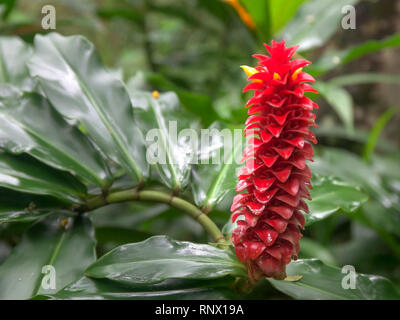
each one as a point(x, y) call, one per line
point(157, 196)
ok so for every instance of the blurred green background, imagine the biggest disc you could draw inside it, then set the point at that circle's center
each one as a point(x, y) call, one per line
point(195, 48)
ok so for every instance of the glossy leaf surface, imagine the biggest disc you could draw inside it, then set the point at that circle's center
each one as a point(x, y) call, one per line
point(171, 137)
point(330, 195)
point(320, 282)
point(219, 158)
point(82, 90)
point(159, 258)
point(24, 173)
point(57, 143)
point(103, 289)
point(314, 23)
point(69, 251)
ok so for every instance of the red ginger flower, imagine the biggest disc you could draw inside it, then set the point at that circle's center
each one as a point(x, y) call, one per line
point(275, 178)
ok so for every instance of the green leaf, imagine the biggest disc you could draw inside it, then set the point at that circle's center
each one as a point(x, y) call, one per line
point(376, 130)
point(381, 218)
point(23, 215)
point(323, 282)
point(56, 143)
point(330, 195)
point(332, 60)
point(103, 289)
point(340, 100)
point(260, 14)
point(219, 158)
point(82, 90)
point(387, 166)
point(365, 78)
point(14, 53)
point(23, 207)
point(281, 12)
point(314, 23)
point(170, 149)
point(24, 173)
point(68, 250)
point(159, 258)
point(6, 8)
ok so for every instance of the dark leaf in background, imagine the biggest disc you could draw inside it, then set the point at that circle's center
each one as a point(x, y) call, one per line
point(365, 78)
point(332, 60)
point(313, 249)
point(376, 131)
point(126, 215)
point(382, 218)
point(120, 12)
point(340, 100)
point(119, 236)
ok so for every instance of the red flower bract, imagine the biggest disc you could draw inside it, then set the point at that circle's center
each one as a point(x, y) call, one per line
point(275, 178)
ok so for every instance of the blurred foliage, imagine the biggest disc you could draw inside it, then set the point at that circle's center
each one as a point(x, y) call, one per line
point(194, 48)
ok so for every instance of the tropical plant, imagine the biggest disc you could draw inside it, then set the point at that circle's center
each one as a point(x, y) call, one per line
point(80, 199)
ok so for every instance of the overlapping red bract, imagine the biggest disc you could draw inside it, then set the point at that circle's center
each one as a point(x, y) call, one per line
point(275, 178)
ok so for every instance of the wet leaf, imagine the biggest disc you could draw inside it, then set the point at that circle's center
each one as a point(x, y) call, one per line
point(322, 282)
point(159, 258)
point(83, 91)
point(57, 144)
point(47, 243)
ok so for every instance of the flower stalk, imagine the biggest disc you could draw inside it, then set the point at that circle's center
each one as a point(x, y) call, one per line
point(161, 197)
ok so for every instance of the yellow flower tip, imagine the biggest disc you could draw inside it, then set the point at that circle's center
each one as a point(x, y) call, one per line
point(250, 71)
point(293, 278)
point(294, 75)
point(277, 76)
point(156, 94)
